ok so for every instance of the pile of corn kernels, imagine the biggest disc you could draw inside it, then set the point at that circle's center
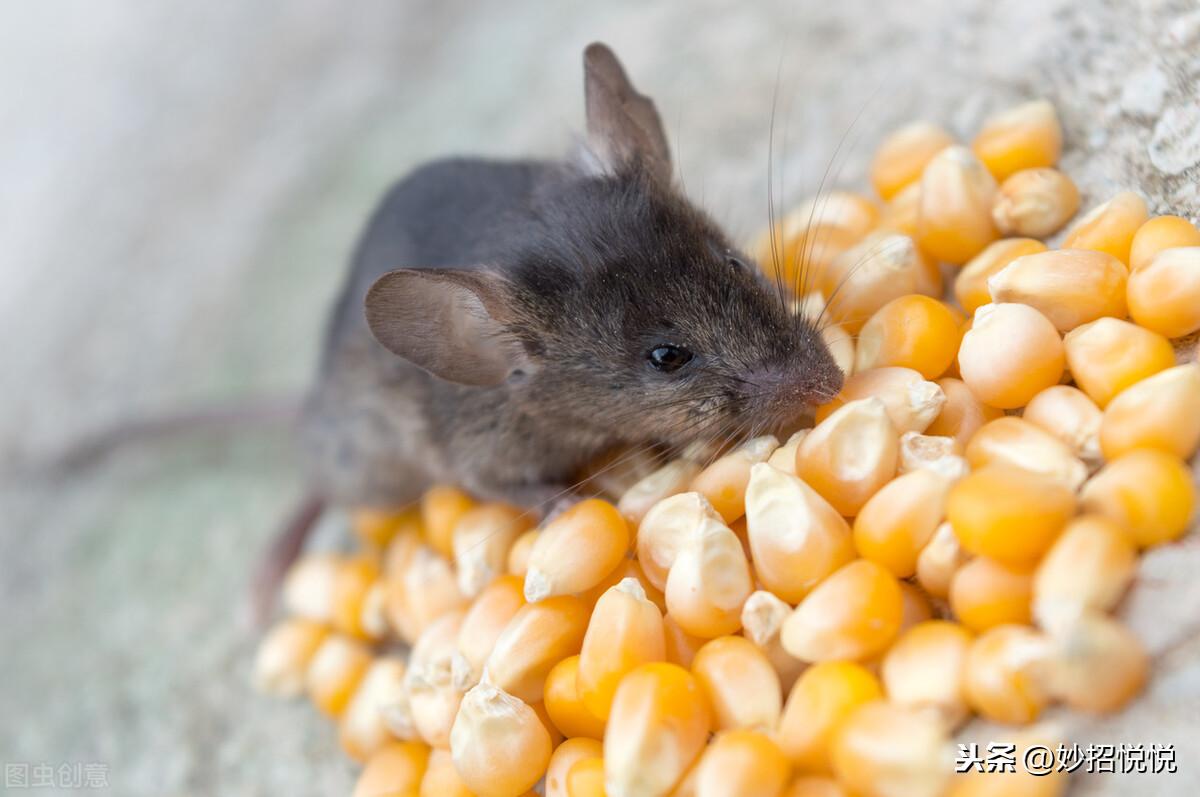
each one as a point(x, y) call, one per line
point(816, 618)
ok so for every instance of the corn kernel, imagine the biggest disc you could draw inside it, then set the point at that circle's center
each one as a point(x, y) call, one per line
point(284, 655)
point(868, 275)
point(902, 156)
point(481, 539)
point(681, 646)
point(962, 413)
point(1111, 227)
point(498, 744)
point(1097, 665)
point(311, 588)
point(1069, 286)
point(896, 523)
point(563, 704)
point(576, 550)
point(957, 193)
point(724, 482)
point(709, 581)
point(854, 614)
point(805, 257)
point(518, 554)
point(401, 549)
point(910, 332)
point(1067, 413)
point(1011, 353)
point(658, 726)
point(664, 529)
point(884, 750)
point(362, 729)
point(625, 631)
point(1164, 294)
point(1158, 412)
point(1147, 492)
point(1035, 202)
point(629, 568)
point(1017, 442)
point(1108, 355)
point(613, 473)
point(671, 479)
point(850, 455)
point(538, 637)
point(762, 620)
point(985, 594)
point(940, 455)
point(742, 686)
point(586, 778)
point(741, 762)
point(433, 700)
point(846, 209)
point(815, 786)
point(783, 459)
point(911, 402)
point(971, 285)
point(1157, 234)
point(825, 694)
point(425, 590)
point(334, 673)
point(902, 211)
point(923, 670)
point(841, 346)
point(482, 625)
point(978, 782)
point(441, 779)
point(378, 527)
point(441, 507)
point(565, 756)
point(395, 768)
point(915, 608)
point(1089, 566)
point(939, 560)
point(1026, 136)
point(1007, 674)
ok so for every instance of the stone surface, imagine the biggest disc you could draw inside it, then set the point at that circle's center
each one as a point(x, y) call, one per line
point(182, 187)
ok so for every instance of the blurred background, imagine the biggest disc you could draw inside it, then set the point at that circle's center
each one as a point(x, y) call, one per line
point(181, 186)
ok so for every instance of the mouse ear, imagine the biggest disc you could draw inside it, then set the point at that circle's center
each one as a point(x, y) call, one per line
point(448, 321)
point(623, 125)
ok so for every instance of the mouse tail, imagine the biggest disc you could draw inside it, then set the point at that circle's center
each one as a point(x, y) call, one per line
point(274, 562)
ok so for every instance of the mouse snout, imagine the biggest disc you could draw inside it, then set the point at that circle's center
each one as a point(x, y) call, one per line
point(788, 389)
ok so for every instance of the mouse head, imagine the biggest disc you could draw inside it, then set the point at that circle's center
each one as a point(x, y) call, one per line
point(615, 304)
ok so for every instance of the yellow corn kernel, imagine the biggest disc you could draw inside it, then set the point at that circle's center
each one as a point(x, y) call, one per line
point(903, 210)
point(538, 637)
point(1069, 286)
point(441, 779)
point(840, 344)
point(709, 581)
point(664, 529)
point(903, 154)
point(658, 726)
point(825, 694)
point(362, 728)
point(741, 762)
point(576, 550)
point(939, 560)
point(586, 778)
point(1026, 136)
point(910, 332)
point(803, 257)
point(441, 507)
point(985, 594)
point(850, 455)
point(681, 646)
point(897, 522)
point(846, 209)
point(886, 750)
point(481, 539)
point(1159, 233)
point(564, 705)
point(979, 782)
point(1010, 354)
point(1158, 412)
point(378, 527)
point(671, 479)
point(624, 632)
point(1009, 514)
point(742, 686)
point(762, 620)
point(1007, 674)
point(1097, 665)
point(854, 614)
point(1035, 202)
point(426, 589)
point(329, 588)
point(395, 768)
point(433, 700)
point(868, 275)
point(796, 537)
point(962, 412)
point(1067, 413)
point(815, 786)
point(940, 455)
point(498, 745)
point(783, 459)
point(1147, 492)
point(923, 670)
point(1014, 441)
point(724, 482)
point(1109, 355)
point(1089, 566)
point(1164, 294)
point(482, 625)
point(284, 655)
point(565, 756)
point(971, 284)
point(911, 402)
point(957, 193)
point(518, 554)
point(629, 568)
point(401, 548)
point(1111, 227)
point(335, 671)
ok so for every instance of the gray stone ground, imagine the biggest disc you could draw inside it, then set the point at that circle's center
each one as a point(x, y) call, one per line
point(181, 186)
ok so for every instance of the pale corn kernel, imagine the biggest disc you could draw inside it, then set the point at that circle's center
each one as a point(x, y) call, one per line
point(565, 756)
point(939, 560)
point(897, 522)
point(1149, 493)
point(564, 705)
point(743, 688)
point(1017, 530)
point(625, 631)
point(671, 479)
point(356, 579)
point(658, 726)
point(378, 527)
point(482, 625)
point(980, 782)
point(681, 646)
point(1035, 202)
point(910, 332)
point(854, 614)
point(971, 284)
point(810, 306)
point(433, 700)
point(538, 637)
point(395, 768)
point(1026, 136)
point(629, 568)
point(664, 529)
point(441, 779)
point(935, 453)
point(962, 412)
point(825, 694)
point(576, 550)
point(425, 590)
point(498, 745)
point(481, 539)
point(1109, 355)
point(310, 587)
point(372, 615)
point(1089, 567)
point(1158, 412)
point(741, 762)
point(1159, 233)
point(903, 210)
point(841, 346)
point(890, 751)
point(850, 455)
point(1014, 441)
point(1164, 294)
point(815, 786)
point(362, 728)
point(923, 670)
point(724, 482)
point(1111, 227)
point(930, 281)
point(911, 402)
point(1097, 664)
point(586, 778)
point(915, 608)
point(441, 507)
point(985, 594)
point(846, 209)
point(762, 620)
point(334, 673)
point(1007, 674)
point(284, 654)
point(796, 537)
point(518, 554)
point(1010, 354)
point(903, 154)
point(783, 459)
point(801, 259)
point(709, 581)
point(1067, 413)
point(400, 550)
point(865, 277)
point(955, 216)
point(1069, 286)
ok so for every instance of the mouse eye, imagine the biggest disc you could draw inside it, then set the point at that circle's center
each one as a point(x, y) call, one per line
point(669, 358)
point(736, 263)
